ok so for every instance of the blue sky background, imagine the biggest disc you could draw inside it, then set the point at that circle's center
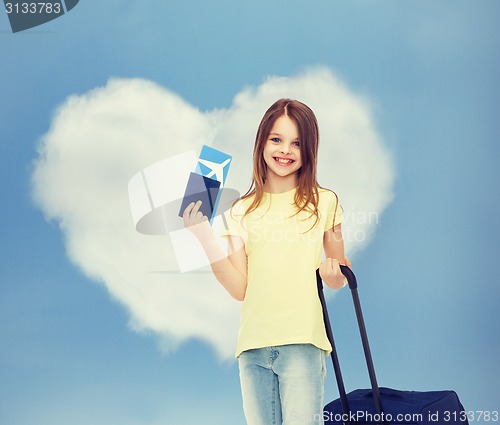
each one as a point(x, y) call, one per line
point(429, 278)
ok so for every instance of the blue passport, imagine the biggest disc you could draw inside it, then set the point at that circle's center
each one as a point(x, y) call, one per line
point(201, 188)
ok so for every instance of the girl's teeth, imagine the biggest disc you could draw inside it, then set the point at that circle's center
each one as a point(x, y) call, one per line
point(284, 161)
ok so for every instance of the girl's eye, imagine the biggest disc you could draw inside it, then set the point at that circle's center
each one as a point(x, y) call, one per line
point(296, 144)
point(276, 140)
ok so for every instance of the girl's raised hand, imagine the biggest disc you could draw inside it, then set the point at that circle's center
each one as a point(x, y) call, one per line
point(196, 222)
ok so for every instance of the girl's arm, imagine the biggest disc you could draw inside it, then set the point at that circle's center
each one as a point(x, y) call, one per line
point(229, 269)
point(329, 269)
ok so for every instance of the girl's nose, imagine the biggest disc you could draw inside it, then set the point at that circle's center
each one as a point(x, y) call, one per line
point(284, 150)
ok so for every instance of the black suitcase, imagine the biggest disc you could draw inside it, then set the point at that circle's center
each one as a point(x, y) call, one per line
point(383, 405)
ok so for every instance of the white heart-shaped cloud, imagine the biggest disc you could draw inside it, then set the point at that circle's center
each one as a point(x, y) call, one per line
point(99, 140)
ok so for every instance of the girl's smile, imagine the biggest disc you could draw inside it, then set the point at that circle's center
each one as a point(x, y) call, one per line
point(284, 162)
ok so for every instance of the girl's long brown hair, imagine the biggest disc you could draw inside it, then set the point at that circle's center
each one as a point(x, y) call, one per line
point(306, 196)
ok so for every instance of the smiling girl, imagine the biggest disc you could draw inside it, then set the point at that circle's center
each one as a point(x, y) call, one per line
point(277, 233)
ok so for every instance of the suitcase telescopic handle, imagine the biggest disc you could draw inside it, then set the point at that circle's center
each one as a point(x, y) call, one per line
point(353, 286)
point(351, 279)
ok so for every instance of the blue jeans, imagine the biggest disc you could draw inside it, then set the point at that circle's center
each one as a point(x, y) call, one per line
point(283, 384)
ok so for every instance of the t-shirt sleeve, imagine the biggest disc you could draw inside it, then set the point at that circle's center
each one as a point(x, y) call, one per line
point(234, 222)
point(334, 214)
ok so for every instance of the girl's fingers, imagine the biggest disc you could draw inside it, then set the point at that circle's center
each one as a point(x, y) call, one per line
point(329, 264)
point(334, 264)
point(187, 216)
point(191, 211)
point(187, 211)
point(192, 214)
point(196, 208)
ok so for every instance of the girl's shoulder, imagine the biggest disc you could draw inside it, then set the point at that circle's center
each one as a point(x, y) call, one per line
point(327, 194)
point(240, 205)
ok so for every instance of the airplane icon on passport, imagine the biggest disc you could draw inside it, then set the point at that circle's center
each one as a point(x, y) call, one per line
point(217, 169)
point(213, 164)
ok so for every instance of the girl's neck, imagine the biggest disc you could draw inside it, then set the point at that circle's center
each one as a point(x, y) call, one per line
point(280, 185)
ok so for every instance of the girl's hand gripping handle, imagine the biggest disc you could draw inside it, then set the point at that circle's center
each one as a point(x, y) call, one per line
point(331, 273)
